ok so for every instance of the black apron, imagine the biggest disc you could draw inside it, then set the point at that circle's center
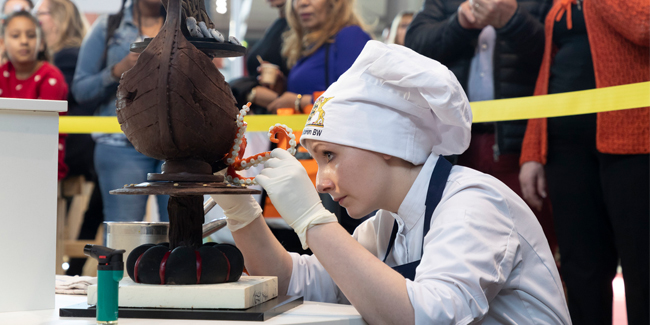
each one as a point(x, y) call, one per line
point(434, 194)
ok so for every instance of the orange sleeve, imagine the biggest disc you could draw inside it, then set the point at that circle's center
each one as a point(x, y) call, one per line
point(534, 146)
point(629, 18)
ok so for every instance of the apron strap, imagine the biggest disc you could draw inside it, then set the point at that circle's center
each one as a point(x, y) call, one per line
point(434, 195)
point(393, 235)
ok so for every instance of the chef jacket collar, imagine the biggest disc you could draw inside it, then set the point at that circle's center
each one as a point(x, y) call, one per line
point(413, 206)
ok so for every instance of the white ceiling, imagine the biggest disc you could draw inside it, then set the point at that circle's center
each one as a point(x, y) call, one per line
point(261, 15)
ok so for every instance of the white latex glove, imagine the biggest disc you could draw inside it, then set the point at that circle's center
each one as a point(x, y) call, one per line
point(240, 210)
point(293, 194)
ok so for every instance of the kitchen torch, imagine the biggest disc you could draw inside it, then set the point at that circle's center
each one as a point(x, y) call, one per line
point(110, 271)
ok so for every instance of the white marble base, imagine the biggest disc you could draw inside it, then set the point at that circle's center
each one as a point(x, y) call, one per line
point(245, 293)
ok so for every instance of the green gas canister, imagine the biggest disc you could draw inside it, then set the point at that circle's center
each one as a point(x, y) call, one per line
point(110, 271)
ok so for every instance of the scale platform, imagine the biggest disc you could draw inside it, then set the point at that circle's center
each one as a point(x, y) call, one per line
point(260, 313)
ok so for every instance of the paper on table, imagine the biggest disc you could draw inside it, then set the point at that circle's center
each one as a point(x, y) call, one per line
point(73, 285)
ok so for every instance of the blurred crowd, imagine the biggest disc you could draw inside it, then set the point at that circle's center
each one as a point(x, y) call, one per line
point(585, 176)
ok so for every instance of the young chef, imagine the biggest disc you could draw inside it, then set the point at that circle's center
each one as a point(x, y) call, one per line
point(449, 245)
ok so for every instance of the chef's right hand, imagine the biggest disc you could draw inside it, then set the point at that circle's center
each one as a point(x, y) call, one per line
point(240, 209)
point(293, 194)
point(533, 183)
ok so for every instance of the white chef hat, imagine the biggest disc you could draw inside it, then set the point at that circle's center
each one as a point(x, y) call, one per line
point(394, 101)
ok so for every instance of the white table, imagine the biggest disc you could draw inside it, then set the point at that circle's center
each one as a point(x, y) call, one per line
point(307, 313)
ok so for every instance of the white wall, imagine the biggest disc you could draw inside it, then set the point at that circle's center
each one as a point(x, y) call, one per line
point(98, 6)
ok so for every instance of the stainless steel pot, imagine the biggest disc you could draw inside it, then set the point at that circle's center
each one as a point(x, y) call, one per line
point(129, 235)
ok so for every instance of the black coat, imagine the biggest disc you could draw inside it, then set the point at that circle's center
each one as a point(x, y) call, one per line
point(269, 47)
point(435, 32)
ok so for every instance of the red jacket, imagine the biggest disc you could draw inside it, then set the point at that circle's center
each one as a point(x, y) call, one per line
point(619, 35)
point(46, 83)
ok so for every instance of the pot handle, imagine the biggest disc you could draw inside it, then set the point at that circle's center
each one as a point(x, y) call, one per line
point(212, 226)
point(208, 205)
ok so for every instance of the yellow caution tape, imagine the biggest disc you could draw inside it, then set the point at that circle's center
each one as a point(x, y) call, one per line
point(89, 124)
point(109, 124)
point(573, 103)
point(523, 108)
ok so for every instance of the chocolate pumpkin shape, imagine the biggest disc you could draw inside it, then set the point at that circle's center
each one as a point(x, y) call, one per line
point(133, 258)
point(211, 263)
point(181, 266)
point(235, 259)
point(174, 104)
point(214, 269)
point(148, 269)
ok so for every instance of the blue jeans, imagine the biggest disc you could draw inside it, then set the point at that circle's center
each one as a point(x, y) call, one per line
point(120, 165)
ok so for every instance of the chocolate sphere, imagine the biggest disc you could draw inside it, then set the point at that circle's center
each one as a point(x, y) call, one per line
point(149, 266)
point(214, 267)
point(181, 266)
point(236, 260)
point(133, 257)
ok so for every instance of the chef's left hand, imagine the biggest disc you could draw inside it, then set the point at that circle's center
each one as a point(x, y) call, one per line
point(293, 194)
point(240, 210)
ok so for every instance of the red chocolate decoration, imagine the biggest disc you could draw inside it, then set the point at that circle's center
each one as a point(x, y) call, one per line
point(135, 269)
point(199, 266)
point(228, 266)
point(163, 267)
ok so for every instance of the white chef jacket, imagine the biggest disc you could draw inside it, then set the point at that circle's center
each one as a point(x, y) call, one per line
point(486, 259)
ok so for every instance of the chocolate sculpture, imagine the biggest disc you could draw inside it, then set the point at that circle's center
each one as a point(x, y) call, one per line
point(175, 105)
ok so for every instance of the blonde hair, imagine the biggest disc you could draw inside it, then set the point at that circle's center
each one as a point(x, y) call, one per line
point(300, 43)
point(72, 26)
